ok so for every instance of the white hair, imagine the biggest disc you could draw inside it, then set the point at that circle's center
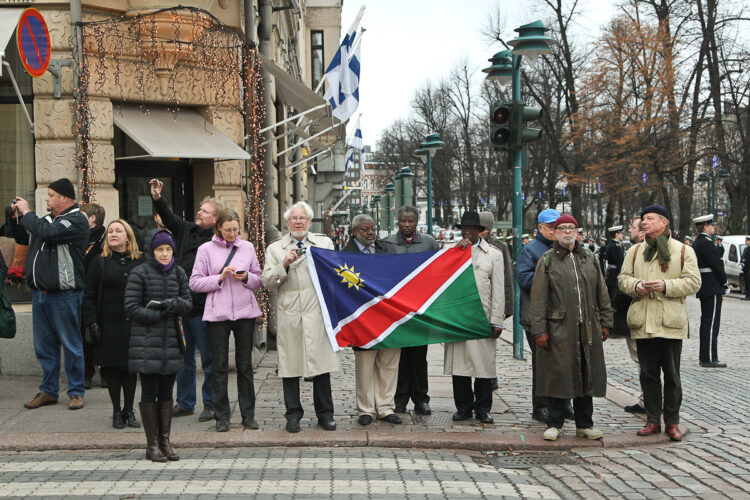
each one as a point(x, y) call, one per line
point(300, 204)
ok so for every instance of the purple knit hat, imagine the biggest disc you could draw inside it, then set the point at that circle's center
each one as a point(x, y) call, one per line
point(162, 238)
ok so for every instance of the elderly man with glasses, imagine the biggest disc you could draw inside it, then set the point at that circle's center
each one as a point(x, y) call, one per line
point(570, 319)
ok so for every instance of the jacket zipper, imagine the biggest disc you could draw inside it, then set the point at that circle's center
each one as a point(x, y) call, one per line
point(578, 289)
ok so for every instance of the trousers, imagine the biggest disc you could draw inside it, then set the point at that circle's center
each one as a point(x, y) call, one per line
point(657, 356)
point(376, 378)
point(583, 408)
point(479, 400)
point(412, 376)
point(537, 402)
point(709, 330)
point(322, 398)
point(196, 336)
point(218, 336)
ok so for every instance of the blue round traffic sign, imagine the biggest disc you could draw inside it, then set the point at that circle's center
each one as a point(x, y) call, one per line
point(32, 37)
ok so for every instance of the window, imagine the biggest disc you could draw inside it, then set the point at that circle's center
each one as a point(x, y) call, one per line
point(733, 253)
point(318, 61)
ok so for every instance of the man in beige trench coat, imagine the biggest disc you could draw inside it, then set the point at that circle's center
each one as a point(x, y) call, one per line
point(476, 358)
point(303, 345)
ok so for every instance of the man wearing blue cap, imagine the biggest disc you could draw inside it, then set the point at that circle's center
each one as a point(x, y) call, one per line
point(525, 268)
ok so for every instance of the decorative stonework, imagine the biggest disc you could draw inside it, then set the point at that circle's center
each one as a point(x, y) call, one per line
point(53, 118)
point(228, 172)
point(228, 121)
point(55, 160)
point(104, 162)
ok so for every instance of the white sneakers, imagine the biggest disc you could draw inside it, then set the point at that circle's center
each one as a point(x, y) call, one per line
point(552, 433)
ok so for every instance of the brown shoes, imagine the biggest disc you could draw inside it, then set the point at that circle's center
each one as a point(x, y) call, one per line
point(649, 429)
point(41, 399)
point(673, 431)
point(75, 403)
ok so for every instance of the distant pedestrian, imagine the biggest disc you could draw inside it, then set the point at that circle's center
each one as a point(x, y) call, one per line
point(97, 234)
point(658, 316)
point(106, 322)
point(745, 268)
point(56, 273)
point(570, 319)
point(720, 246)
point(227, 270)
point(156, 296)
point(613, 256)
point(714, 285)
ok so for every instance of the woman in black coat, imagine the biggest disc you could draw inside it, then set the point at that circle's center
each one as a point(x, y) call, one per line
point(156, 295)
point(104, 317)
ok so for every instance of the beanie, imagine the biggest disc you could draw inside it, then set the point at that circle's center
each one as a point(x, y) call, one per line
point(656, 209)
point(487, 220)
point(64, 187)
point(162, 238)
point(566, 219)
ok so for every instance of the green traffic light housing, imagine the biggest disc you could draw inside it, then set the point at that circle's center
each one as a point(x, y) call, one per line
point(500, 125)
point(526, 134)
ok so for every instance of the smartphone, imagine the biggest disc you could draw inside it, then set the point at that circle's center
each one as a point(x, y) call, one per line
point(153, 304)
point(240, 271)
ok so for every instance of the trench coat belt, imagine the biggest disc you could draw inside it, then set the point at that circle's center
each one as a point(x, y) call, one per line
point(706, 270)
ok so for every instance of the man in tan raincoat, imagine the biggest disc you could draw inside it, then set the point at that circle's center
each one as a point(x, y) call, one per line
point(303, 345)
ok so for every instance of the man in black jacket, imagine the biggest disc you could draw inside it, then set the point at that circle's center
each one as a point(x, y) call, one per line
point(613, 257)
point(713, 286)
point(55, 271)
point(188, 236)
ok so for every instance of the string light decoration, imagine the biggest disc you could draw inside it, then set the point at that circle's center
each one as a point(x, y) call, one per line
point(185, 57)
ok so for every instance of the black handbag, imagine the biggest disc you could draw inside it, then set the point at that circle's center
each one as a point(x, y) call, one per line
point(7, 315)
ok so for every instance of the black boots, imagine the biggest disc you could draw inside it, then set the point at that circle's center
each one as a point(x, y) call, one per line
point(165, 425)
point(150, 419)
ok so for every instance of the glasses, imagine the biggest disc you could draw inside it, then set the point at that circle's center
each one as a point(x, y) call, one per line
point(298, 219)
point(567, 229)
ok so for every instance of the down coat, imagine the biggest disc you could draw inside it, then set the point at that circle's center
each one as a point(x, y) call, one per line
point(155, 344)
point(569, 301)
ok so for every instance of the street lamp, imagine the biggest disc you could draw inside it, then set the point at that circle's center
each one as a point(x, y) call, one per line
point(389, 190)
point(506, 68)
point(376, 204)
point(721, 173)
point(428, 148)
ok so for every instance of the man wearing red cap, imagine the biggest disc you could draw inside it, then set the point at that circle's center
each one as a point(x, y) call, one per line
point(570, 319)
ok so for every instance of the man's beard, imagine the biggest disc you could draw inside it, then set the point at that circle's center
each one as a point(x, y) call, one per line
point(363, 241)
point(299, 234)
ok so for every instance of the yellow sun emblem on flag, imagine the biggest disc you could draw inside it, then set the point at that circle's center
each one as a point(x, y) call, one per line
point(349, 276)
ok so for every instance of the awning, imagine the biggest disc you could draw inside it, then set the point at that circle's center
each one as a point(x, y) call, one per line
point(184, 134)
point(8, 22)
point(292, 91)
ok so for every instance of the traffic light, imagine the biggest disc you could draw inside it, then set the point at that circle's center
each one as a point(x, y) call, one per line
point(527, 134)
point(500, 125)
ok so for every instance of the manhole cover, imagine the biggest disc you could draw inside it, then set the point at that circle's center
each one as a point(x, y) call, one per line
point(527, 461)
point(435, 419)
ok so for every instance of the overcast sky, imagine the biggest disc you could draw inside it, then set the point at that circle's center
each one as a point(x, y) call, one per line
point(410, 42)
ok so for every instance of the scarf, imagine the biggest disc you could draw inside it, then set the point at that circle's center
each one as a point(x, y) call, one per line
point(660, 247)
point(165, 267)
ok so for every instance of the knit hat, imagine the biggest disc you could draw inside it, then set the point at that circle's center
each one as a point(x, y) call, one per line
point(162, 238)
point(656, 209)
point(64, 187)
point(487, 220)
point(566, 219)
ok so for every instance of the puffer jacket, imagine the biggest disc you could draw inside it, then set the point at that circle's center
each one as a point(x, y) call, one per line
point(155, 343)
point(659, 314)
point(528, 258)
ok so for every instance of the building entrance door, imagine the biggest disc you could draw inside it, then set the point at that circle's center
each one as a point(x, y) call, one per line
point(132, 178)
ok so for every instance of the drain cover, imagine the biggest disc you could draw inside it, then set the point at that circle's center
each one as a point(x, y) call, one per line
point(436, 418)
point(527, 461)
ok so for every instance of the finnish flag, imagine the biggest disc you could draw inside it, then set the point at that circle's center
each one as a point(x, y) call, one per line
point(343, 77)
point(355, 144)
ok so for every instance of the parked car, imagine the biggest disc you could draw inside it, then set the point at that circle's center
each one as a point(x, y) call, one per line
point(734, 245)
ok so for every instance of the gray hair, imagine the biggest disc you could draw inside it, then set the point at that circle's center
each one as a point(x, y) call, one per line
point(359, 219)
point(408, 209)
point(300, 204)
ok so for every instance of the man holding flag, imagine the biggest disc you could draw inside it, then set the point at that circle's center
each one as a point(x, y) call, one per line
point(476, 358)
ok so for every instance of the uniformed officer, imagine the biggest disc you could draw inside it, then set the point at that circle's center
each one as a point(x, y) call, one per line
point(613, 256)
point(720, 246)
point(713, 286)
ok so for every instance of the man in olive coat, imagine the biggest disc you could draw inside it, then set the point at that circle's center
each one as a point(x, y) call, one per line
point(570, 319)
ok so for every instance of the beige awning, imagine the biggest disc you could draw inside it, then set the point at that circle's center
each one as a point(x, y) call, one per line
point(8, 22)
point(184, 134)
point(293, 92)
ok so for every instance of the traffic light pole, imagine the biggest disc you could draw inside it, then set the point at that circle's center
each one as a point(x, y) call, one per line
point(516, 158)
point(429, 193)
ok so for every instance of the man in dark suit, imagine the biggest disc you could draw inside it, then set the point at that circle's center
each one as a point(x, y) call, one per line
point(713, 286)
point(376, 370)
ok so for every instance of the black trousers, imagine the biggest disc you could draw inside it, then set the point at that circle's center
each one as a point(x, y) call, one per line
point(322, 398)
point(537, 402)
point(155, 387)
point(583, 408)
point(218, 339)
point(709, 330)
point(412, 376)
point(746, 277)
point(479, 400)
point(659, 356)
point(120, 380)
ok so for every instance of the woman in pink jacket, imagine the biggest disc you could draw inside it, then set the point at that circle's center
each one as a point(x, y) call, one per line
point(227, 270)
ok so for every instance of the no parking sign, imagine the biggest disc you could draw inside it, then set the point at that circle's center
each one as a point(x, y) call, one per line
point(32, 37)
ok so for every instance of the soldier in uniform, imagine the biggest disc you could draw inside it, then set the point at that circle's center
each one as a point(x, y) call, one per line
point(745, 266)
point(613, 257)
point(720, 246)
point(713, 286)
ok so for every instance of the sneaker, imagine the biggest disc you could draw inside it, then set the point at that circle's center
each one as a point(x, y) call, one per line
point(589, 433)
point(206, 415)
point(41, 399)
point(552, 433)
point(75, 403)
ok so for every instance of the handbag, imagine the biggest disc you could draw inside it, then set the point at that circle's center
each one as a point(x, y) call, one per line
point(7, 315)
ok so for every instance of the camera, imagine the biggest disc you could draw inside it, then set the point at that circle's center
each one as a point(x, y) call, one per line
point(300, 251)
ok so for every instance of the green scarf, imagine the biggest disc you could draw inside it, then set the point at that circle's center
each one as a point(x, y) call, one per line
point(660, 247)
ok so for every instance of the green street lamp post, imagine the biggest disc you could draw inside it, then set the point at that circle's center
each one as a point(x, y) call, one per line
point(506, 68)
point(428, 148)
point(721, 173)
point(389, 190)
point(376, 205)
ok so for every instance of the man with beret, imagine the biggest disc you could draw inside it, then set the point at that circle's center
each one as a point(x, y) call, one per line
point(659, 273)
point(56, 273)
point(714, 285)
point(525, 269)
point(570, 319)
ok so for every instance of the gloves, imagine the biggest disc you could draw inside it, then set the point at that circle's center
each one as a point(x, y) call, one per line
point(170, 305)
point(92, 334)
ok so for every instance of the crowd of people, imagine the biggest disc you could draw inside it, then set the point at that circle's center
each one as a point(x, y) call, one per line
point(145, 309)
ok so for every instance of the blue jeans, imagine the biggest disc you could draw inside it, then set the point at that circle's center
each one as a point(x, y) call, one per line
point(57, 323)
point(196, 335)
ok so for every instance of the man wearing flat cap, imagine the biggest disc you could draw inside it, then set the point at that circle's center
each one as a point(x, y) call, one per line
point(56, 273)
point(613, 256)
point(476, 358)
point(714, 285)
point(659, 273)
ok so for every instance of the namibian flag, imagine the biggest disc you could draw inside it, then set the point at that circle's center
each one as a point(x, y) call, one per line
point(382, 300)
